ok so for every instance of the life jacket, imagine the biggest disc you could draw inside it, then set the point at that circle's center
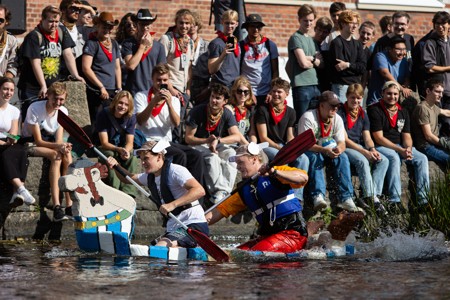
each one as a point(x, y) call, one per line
point(166, 194)
point(269, 200)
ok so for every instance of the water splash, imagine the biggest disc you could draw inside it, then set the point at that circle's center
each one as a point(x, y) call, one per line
point(397, 246)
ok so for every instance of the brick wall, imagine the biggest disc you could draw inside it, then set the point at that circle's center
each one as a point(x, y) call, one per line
point(281, 19)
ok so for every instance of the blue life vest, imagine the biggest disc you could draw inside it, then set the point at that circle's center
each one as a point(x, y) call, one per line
point(269, 200)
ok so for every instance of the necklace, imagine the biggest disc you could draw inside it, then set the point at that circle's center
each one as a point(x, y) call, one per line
point(278, 109)
point(354, 113)
point(183, 42)
point(213, 119)
point(392, 110)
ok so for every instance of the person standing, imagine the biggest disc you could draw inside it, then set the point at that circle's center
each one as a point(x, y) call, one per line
point(8, 46)
point(224, 52)
point(347, 55)
point(142, 53)
point(101, 65)
point(259, 58)
point(304, 58)
point(43, 50)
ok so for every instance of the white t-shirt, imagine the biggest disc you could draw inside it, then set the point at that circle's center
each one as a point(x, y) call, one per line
point(7, 115)
point(178, 176)
point(310, 120)
point(37, 114)
point(159, 127)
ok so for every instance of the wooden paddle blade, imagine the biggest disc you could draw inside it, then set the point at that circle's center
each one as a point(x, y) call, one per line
point(74, 130)
point(208, 245)
point(296, 147)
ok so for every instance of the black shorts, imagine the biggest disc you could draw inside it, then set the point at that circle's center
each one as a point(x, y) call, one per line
point(183, 238)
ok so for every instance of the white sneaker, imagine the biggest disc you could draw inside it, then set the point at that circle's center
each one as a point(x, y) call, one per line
point(27, 197)
point(349, 205)
point(16, 200)
point(319, 202)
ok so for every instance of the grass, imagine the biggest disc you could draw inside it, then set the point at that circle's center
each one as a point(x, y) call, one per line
point(416, 219)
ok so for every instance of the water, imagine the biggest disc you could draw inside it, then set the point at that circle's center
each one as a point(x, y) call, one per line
point(393, 267)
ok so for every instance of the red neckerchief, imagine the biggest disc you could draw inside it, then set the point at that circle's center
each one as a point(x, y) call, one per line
point(239, 115)
point(393, 120)
point(156, 109)
point(145, 54)
point(322, 125)
point(178, 51)
point(106, 51)
point(48, 36)
point(278, 118)
point(350, 122)
point(210, 128)
point(224, 38)
point(254, 46)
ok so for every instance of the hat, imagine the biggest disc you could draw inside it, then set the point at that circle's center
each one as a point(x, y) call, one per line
point(250, 149)
point(87, 3)
point(330, 97)
point(107, 18)
point(389, 84)
point(145, 15)
point(154, 146)
point(253, 19)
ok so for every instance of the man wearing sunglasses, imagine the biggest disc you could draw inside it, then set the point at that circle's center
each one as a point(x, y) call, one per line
point(8, 46)
point(259, 58)
point(329, 130)
point(70, 11)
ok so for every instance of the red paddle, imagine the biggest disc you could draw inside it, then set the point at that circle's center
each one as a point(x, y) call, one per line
point(202, 240)
point(296, 147)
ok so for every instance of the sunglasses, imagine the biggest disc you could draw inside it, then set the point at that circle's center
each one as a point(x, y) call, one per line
point(245, 92)
point(2, 20)
point(75, 9)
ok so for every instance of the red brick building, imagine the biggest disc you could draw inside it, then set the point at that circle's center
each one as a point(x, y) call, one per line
point(279, 15)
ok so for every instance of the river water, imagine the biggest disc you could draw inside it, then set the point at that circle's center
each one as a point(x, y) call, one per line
point(394, 267)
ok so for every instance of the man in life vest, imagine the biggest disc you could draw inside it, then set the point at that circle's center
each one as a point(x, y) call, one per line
point(173, 189)
point(271, 199)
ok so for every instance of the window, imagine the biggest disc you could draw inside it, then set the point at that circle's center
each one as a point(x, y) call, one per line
point(408, 5)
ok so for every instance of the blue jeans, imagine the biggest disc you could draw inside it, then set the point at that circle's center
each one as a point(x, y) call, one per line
point(371, 182)
point(340, 90)
point(304, 98)
point(301, 163)
point(421, 173)
point(340, 168)
point(439, 156)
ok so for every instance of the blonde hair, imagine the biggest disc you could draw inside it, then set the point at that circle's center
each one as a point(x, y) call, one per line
point(347, 16)
point(241, 80)
point(120, 95)
point(197, 20)
point(230, 15)
point(355, 88)
point(57, 89)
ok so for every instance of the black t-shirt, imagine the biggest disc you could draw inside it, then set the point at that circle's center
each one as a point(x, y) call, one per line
point(50, 54)
point(275, 132)
point(361, 124)
point(349, 51)
point(197, 118)
point(383, 44)
point(380, 121)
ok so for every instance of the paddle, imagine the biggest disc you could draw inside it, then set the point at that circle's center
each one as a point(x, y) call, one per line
point(296, 147)
point(202, 240)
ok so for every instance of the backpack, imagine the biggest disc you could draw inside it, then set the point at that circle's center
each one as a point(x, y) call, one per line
point(20, 60)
